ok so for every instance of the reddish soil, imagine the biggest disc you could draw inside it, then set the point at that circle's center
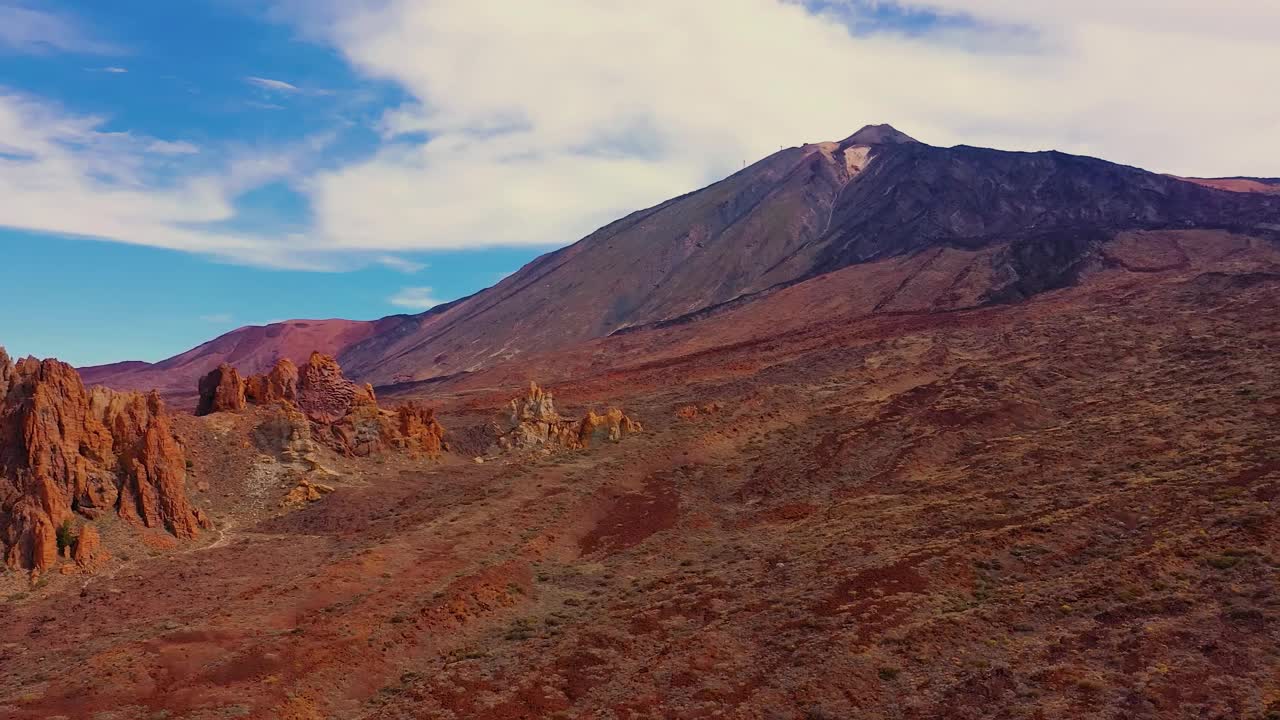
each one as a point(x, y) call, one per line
point(1056, 509)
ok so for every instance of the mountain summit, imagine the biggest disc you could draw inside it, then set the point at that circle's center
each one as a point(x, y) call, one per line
point(878, 135)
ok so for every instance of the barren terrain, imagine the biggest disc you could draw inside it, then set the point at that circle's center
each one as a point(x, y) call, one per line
point(1062, 508)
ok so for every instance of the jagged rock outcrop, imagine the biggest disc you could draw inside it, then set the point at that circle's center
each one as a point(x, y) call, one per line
point(221, 390)
point(66, 450)
point(325, 395)
point(318, 401)
point(153, 493)
point(535, 423)
point(279, 385)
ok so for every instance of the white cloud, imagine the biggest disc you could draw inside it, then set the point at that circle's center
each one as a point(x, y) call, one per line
point(546, 120)
point(112, 70)
point(172, 147)
point(217, 318)
point(63, 173)
point(414, 298)
point(30, 31)
point(275, 85)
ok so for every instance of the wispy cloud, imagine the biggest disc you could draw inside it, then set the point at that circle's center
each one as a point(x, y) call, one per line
point(401, 264)
point(172, 147)
point(272, 84)
point(29, 31)
point(284, 88)
point(113, 70)
point(414, 298)
point(217, 318)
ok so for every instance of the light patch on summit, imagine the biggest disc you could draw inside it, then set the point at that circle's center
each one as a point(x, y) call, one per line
point(856, 159)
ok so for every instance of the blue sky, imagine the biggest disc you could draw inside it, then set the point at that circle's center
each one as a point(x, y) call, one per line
point(173, 170)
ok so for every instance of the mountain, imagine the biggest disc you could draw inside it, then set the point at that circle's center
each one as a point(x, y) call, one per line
point(1033, 220)
point(254, 350)
point(798, 213)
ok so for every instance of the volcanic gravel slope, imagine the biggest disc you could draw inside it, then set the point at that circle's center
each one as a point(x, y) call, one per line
point(1055, 509)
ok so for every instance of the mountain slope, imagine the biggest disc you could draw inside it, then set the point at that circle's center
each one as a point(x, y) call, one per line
point(799, 213)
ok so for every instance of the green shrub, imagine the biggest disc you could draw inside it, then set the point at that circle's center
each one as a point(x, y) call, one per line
point(66, 535)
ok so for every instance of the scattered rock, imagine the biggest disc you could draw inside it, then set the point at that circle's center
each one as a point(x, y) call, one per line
point(693, 412)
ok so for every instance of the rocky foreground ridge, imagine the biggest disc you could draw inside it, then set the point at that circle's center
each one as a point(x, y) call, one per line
point(341, 415)
point(69, 457)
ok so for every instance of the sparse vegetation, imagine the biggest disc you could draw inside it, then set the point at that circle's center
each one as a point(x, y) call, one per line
point(66, 535)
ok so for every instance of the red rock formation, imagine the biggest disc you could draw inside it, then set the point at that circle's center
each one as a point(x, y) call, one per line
point(153, 493)
point(221, 390)
point(535, 423)
point(420, 429)
point(341, 415)
point(324, 393)
point(65, 450)
point(363, 429)
point(279, 385)
point(89, 553)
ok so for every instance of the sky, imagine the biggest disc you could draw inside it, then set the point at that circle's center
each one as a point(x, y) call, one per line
point(170, 171)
